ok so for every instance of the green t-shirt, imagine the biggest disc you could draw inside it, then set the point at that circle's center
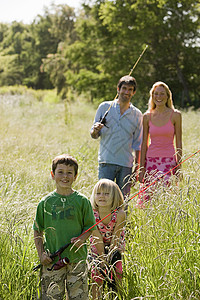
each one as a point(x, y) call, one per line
point(62, 218)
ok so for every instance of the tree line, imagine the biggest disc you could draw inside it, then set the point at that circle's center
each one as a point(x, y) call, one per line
point(89, 50)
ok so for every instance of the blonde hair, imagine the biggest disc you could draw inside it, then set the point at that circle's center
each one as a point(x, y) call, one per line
point(107, 185)
point(151, 105)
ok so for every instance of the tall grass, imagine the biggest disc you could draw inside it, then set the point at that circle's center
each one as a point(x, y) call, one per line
point(161, 259)
point(17, 279)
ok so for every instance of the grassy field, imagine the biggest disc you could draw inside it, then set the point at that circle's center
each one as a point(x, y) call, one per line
point(163, 243)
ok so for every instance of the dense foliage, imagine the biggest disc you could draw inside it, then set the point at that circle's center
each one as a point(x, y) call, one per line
point(90, 50)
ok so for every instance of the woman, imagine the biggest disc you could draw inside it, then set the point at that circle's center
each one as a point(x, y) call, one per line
point(161, 123)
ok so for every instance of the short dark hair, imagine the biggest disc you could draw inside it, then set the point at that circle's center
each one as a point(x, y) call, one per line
point(65, 159)
point(128, 80)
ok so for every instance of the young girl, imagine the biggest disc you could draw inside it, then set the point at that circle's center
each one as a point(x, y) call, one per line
point(107, 241)
point(161, 123)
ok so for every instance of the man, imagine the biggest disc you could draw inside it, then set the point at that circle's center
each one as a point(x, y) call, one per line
point(120, 135)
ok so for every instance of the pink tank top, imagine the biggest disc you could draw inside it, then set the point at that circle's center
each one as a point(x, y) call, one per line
point(162, 140)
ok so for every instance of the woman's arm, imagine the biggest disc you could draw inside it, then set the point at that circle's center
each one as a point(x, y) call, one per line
point(121, 219)
point(144, 147)
point(178, 138)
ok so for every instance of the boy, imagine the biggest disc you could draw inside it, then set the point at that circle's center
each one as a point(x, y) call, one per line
point(63, 215)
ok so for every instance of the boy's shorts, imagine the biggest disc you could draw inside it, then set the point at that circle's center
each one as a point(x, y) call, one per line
point(73, 278)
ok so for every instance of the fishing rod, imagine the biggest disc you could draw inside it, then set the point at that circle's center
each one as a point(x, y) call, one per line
point(137, 61)
point(103, 119)
point(62, 262)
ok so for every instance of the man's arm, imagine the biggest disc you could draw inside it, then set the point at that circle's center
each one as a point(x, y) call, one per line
point(97, 125)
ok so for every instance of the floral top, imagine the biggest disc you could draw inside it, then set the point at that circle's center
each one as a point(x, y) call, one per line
point(107, 232)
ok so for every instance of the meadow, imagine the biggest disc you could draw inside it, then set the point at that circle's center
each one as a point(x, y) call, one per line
point(161, 260)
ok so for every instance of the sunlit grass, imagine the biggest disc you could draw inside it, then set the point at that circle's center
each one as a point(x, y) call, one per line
point(162, 258)
point(17, 281)
point(162, 244)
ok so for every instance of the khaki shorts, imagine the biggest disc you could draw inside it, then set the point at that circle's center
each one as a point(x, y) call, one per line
point(70, 280)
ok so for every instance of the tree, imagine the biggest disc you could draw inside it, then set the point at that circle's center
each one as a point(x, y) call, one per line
point(95, 62)
point(171, 28)
point(89, 52)
point(25, 46)
point(12, 44)
point(111, 35)
point(56, 63)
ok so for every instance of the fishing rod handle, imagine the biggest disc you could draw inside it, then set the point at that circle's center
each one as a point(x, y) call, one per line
point(52, 256)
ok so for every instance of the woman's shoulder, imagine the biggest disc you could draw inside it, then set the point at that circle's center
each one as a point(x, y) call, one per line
point(176, 116)
point(146, 115)
point(177, 112)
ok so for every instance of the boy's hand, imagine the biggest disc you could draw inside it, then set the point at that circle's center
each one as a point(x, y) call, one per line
point(45, 259)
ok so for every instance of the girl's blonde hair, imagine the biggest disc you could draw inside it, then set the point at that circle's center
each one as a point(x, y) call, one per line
point(107, 186)
point(151, 105)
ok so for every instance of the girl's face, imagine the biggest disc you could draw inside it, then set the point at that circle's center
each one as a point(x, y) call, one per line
point(103, 198)
point(160, 96)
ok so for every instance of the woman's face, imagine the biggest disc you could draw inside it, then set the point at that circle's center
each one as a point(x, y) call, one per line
point(160, 96)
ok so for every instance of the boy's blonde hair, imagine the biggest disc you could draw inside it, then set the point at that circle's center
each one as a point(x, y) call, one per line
point(110, 186)
point(169, 103)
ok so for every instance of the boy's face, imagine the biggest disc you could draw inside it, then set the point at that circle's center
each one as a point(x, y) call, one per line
point(64, 177)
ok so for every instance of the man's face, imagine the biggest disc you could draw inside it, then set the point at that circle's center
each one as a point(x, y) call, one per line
point(126, 92)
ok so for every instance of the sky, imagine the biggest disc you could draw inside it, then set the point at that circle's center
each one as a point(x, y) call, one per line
point(27, 10)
